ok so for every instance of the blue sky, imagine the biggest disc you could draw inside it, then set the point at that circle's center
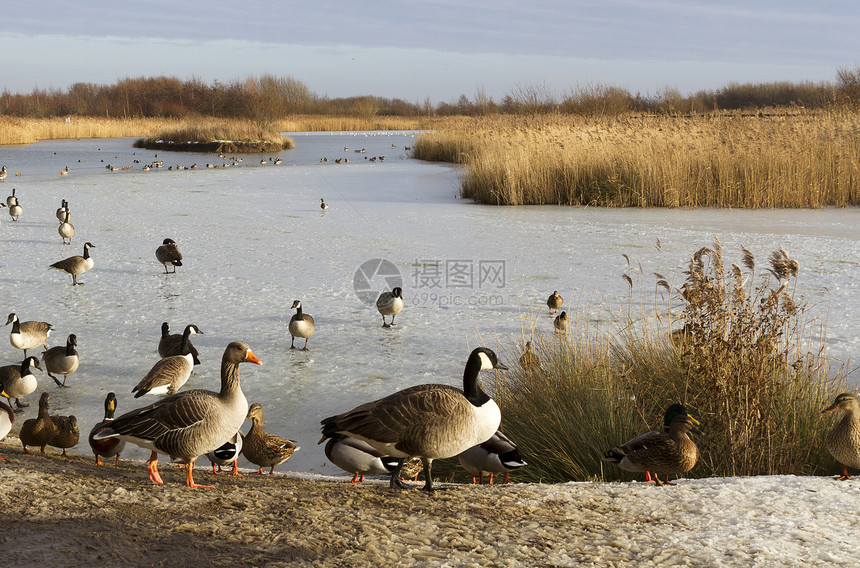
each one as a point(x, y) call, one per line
point(434, 48)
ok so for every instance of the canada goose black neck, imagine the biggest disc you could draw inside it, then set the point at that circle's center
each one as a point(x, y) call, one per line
point(479, 359)
point(185, 346)
point(165, 329)
point(70, 345)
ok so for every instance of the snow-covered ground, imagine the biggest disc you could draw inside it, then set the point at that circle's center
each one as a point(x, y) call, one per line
point(254, 239)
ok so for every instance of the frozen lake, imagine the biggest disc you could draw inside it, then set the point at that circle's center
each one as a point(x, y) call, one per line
point(254, 239)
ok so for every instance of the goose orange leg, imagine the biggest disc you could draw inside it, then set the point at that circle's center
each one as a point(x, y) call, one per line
point(152, 467)
point(189, 478)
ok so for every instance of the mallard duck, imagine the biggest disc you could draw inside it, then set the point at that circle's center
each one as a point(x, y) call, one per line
point(191, 423)
point(301, 325)
point(108, 447)
point(561, 323)
point(529, 361)
point(170, 373)
point(38, 431)
point(660, 451)
point(263, 449)
point(429, 421)
point(168, 254)
point(75, 265)
point(63, 360)
point(390, 304)
point(171, 343)
point(7, 418)
point(28, 334)
point(499, 454)
point(358, 458)
point(411, 468)
point(67, 433)
point(227, 453)
point(18, 381)
point(554, 302)
point(843, 442)
point(66, 229)
point(323, 204)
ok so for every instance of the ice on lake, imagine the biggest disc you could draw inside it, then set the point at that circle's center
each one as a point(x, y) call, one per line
point(254, 239)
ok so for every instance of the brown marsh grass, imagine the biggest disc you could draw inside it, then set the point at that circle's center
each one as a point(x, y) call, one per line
point(719, 160)
point(219, 136)
point(739, 351)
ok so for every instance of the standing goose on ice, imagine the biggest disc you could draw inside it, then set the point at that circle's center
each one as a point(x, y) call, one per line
point(66, 229)
point(430, 421)
point(171, 343)
point(61, 212)
point(63, 359)
point(3, 174)
point(15, 210)
point(12, 199)
point(168, 254)
point(390, 304)
point(108, 447)
point(28, 334)
point(191, 423)
point(843, 442)
point(499, 454)
point(301, 325)
point(17, 380)
point(171, 372)
point(75, 265)
point(323, 204)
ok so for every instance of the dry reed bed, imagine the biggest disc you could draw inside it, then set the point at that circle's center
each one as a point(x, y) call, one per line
point(807, 160)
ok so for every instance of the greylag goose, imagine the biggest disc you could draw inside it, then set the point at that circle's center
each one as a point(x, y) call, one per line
point(63, 360)
point(75, 265)
point(843, 442)
point(430, 421)
point(188, 424)
point(108, 447)
point(263, 449)
point(554, 302)
point(28, 334)
point(390, 304)
point(358, 458)
point(171, 372)
point(17, 381)
point(171, 343)
point(499, 454)
point(168, 254)
point(301, 325)
point(38, 431)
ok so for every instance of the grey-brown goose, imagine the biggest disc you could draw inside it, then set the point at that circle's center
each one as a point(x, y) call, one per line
point(38, 431)
point(75, 265)
point(390, 304)
point(66, 229)
point(171, 343)
point(301, 325)
point(17, 381)
point(499, 454)
point(189, 424)
point(168, 254)
point(171, 372)
point(843, 442)
point(28, 334)
point(63, 360)
point(107, 447)
point(261, 448)
point(67, 433)
point(429, 421)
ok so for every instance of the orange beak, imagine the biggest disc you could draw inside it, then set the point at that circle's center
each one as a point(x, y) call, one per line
point(251, 358)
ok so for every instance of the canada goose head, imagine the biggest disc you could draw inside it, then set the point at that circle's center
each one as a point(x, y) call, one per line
point(12, 318)
point(192, 329)
point(397, 292)
point(72, 340)
point(30, 362)
point(297, 305)
point(168, 242)
point(88, 245)
point(165, 329)
point(488, 359)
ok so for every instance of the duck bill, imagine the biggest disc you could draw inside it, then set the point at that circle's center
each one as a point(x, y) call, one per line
point(251, 358)
point(829, 409)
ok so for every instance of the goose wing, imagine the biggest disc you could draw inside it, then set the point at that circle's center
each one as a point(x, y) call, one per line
point(170, 372)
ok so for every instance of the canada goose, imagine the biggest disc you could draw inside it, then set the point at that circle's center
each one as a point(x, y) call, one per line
point(61, 212)
point(554, 302)
point(16, 211)
point(63, 360)
point(75, 265)
point(561, 323)
point(660, 451)
point(227, 453)
point(358, 458)
point(66, 229)
point(171, 343)
point(301, 325)
point(28, 334)
point(40, 430)
point(3, 174)
point(168, 254)
point(429, 421)
point(7, 418)
point(17, 380)
point(323, 204)
point(263, 449)
point(108, 447)
point(843, 442)
point(529, 361)
point(390, 304)
point(10, 200)
point(67, 433)
point(188, 424)
point(171, 372)
point(499, 454)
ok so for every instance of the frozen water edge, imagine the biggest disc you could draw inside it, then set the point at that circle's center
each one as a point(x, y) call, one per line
point(254, 239)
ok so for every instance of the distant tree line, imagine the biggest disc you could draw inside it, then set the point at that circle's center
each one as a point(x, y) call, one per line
point(270, 98)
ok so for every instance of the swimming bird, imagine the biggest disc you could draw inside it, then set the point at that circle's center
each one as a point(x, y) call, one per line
point(227, 453)
point(171, 343)
point(107, 447)
point(67, 433)
point(171, 372)
point(66, 229)
point(323, 204)
point(358, 457)
point(301, 325)
point(191, 423)
point(61, 211)
point(429, 421)
point(554, 302)
point(499, 454)
point(75, 265)
point(561, 323)
point(63, 360)
point(390, 304)
point(28, 334)
point(529, 361)
point(263, 449)
point(168, 254)
point(7, 418)
point(843, 442)
point(660, 451)
point(15, 210)
point(17, 380)
point(38, 431)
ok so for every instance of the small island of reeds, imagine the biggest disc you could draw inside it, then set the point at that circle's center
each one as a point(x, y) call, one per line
point(218, 136)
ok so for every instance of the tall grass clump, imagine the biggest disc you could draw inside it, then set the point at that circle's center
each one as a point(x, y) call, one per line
point(216, 135)
point(745, 357)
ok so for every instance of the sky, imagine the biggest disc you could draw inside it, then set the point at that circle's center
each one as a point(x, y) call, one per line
point(436, 49)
